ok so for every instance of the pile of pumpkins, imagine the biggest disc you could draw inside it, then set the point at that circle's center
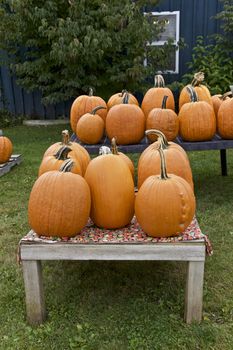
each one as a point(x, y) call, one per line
point(200, 115)
point(71, 187)
point(6, 148)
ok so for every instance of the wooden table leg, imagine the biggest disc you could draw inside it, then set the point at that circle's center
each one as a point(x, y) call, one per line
point(194, 291)
point(223, 157)
point(35, 305)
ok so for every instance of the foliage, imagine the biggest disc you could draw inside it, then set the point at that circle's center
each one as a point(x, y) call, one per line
point(214, 56)
point(8, 119)
point(63, 47)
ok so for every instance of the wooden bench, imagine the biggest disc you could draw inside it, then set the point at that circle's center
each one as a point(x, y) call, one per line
point(33, 252)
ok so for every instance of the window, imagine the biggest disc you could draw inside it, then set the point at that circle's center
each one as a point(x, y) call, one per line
point(172, 28)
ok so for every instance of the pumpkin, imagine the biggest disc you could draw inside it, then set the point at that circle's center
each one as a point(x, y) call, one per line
point(84, 104)
point(176, 159)
point(163, 119)
point(118, 98)
point(201, 90)
point(196, 119)
point(225, 119)
point(218, 99)
point(59, 203)
point(154, 96)
point(165, 204)
point(125, 122)
point(122, 156)
point(55, 161)
point(112, 191)
point(77, 150)
point(6, 148)
point(90, 127)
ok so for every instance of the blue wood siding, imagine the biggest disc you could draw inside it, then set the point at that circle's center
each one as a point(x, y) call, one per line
point(195, 19)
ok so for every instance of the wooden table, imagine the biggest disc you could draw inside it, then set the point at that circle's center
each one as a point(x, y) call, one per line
point(32, 253)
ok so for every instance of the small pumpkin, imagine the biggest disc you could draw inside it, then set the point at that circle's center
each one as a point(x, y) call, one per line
point(6, 148)
point(54, 162)
point(122, 155)
point(90, 127)
point(154, 96)
point(176, 159)
point(165, 204)
point(84, 104)
point(201, 90)
point(196, 119)
point(218, 99)
point(118, 98)
point(126, 122)
point(112, 191)
point(59, 203)
point(163, 119)
point(77, 150)
point(225, 119)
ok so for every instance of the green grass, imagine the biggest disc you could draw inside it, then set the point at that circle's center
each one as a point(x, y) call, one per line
point(115, 305)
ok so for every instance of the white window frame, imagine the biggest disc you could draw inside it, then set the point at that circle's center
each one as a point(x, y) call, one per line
point(162, 42)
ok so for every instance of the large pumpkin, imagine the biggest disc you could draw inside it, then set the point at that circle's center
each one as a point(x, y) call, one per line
point(84, 104)
point(176, 159)
point(154, 96)
point(112, 191)
point(163, 119)
point(225, 119)
point(6, 148)
point(196, 119)
point(54, 162)
point(165, 204)
point(59, 203)
point(125, 122)
point(117, 98)
point(201, 90)
point(90, 127)
point(77, 150)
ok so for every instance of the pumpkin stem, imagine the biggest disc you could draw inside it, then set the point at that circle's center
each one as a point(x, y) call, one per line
point(90, 91)
point(94, 110)
point(198, 78)
point(160, 135)
point(65, 137)
point(227, 94)
point(123, 92)
point(163, 175)
point(192, 93)
point(159, 81)
point(125, 98)
point(67, 166)
point(114, 146)
point(62, 153)
point(164, 102)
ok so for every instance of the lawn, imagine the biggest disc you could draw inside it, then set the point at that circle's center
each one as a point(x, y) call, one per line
point(116, 305)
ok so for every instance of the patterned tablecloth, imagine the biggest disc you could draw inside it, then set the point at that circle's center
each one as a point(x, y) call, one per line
point(131, 233)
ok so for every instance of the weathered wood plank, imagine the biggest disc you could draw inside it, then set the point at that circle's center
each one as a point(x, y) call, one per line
point(15, 159)
point(35, 305)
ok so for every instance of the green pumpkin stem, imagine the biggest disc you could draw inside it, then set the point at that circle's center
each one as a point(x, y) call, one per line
point(163, 175)
point(125, 98)
point(159, 81)
point(114, 146)
point(94, 110)
point(192, 93)
point(62, 153)
point(67, 166)
point(164, 102)
point(160, 135)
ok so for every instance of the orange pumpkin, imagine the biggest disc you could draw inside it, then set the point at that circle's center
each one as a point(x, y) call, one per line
point(176, 159)
point(122, 156)
point(90, 127)
point(163, 119)
point(201, 90)
point(59, 203)
point(84, 104)
point(54, 162)
point(118, 98)
point(6, 148)
point(225, 119)
point(77, 150)
point(165, 204)
point(154, 96)
point(218, 99)
point(112, 191)
point(196, 119)
point(125, 122)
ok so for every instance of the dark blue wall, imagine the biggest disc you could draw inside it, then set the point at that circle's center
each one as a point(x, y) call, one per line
point(195, 19)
